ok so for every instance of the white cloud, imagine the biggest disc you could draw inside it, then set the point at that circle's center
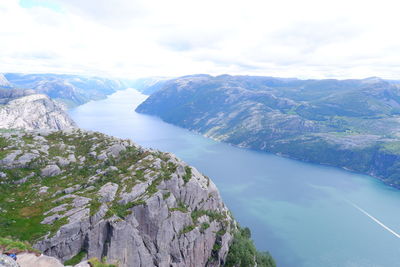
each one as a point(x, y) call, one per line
point(128, 38)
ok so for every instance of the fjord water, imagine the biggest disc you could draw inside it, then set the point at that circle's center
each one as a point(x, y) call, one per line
point(304, 214)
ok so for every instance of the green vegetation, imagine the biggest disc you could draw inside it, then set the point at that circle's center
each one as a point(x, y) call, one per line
point(76, 259)
point(12, 246)
point(188, 174)
point(243, 253)
point(187, 229)
point(94, 262)
point(23, 207)
point(166, 195)
point(181, 207)
point(205, 226)
point(213, 215)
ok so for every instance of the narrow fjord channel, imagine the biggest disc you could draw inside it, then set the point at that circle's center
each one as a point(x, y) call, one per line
point(304, 214)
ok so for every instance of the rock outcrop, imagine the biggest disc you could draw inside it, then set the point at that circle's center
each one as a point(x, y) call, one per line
point(34, 112)
point(134, 206)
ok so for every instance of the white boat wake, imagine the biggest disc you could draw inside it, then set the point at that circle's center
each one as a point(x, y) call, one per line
point(375, 219)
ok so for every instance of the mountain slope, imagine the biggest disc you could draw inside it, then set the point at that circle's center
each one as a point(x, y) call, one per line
point(84, 193)
point(350, 123)
point(4, 83)
point(73, 90)
point(34, 112)
point(78, 195)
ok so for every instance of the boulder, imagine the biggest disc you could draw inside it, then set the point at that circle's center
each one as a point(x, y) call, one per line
point(50, 170)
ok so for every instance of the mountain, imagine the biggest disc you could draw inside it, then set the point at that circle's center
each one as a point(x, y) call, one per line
point(6, 95)
point(4, 83)
point(76, 195)
point(353, 124)
point(32, 112)
point(148, 85)
point(73, 90)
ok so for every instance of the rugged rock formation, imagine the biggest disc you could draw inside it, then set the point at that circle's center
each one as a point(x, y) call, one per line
point(85, 194)
point(34, 112)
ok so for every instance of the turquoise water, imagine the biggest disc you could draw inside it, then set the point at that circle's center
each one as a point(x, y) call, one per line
point(304, 214)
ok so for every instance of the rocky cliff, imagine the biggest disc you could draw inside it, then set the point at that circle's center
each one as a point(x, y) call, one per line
point(83, 194)
point(34, 112)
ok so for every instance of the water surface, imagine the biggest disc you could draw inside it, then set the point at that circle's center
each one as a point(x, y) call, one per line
point(304, 214)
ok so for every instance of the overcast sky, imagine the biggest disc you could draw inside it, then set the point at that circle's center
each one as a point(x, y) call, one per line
point(138, 38)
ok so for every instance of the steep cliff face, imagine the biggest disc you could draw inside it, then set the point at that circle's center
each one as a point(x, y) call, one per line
point(84, 194)
point(34, 112)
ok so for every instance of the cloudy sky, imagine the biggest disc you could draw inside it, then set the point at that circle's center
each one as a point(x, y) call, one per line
point(138, 38)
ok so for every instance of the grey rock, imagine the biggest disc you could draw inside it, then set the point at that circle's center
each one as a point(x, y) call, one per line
point(62, 161)
point(80, 201)
point(60, 208)
point(23, 180)
point(151, 234)
point(107, 192)
point(51, 219)
point(50, 170)
point(6, 261)
point(102, 156)
point(34, 112)
point(115, 150)
point(83, 264)
point(25, 158)
point(8, 161)
point(31, 260)
point(65, 197)
point(72, 189)
point(43, 190)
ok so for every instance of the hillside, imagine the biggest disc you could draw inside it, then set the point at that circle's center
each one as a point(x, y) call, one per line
point(77, 195)
point(84, 194)
point(352, 124)
point(32, 111)
point(72, 90)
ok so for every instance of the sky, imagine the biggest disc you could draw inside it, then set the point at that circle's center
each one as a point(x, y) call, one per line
point(142, 38)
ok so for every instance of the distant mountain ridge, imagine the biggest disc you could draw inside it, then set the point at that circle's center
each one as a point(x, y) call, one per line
point(73, 90)
point(354, 124)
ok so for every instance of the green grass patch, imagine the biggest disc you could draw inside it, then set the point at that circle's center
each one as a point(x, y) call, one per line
point(76, 259)
point(187, 229)
point(166, 195)
point(213, 215)
point(10, 245)
point(188, 174)
point(94, 262)
point(181, 207)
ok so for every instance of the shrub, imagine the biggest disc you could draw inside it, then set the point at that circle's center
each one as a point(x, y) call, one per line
point(243, 253)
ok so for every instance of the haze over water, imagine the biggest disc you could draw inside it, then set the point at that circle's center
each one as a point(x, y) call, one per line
point(304, 214)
